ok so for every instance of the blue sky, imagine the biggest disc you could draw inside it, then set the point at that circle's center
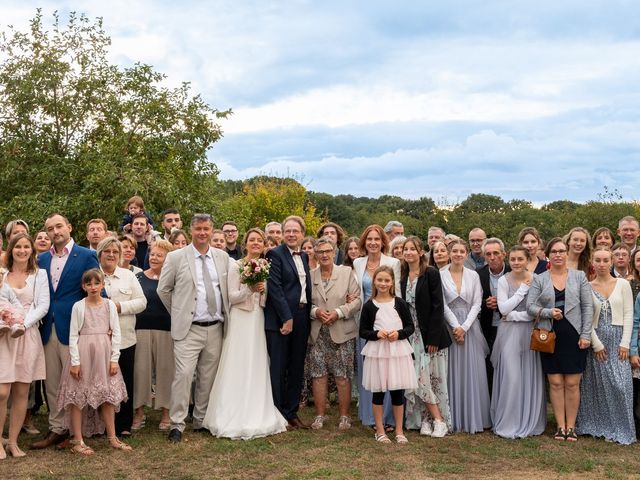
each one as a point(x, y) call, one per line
point(533, 100)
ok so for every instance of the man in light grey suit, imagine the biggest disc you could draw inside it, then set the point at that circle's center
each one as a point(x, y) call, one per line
point(193, 288)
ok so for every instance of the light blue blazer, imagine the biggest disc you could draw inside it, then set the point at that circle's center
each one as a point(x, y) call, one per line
point(578, 308)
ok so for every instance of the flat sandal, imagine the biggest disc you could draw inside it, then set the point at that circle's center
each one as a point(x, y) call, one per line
point(116, 444)
point(81, 448)
point(382, 438)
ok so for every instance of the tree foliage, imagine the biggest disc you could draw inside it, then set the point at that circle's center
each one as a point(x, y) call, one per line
point(80, 135)
point(265, 199)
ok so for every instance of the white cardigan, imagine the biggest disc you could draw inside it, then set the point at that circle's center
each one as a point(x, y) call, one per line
point(621, 301)
point(39, 284)
point(77, 320)
point(124, 288)
point(360, 265)
point(470, 292)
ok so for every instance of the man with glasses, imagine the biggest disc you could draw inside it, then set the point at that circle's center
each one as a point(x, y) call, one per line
point(286, 319)
point(230, 230)
point(475, 259)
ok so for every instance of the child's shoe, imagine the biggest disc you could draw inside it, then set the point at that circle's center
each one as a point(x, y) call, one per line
point(17, 330)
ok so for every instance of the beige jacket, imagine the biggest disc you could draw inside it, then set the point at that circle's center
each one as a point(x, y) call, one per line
point(177, 287)
point(334, 297)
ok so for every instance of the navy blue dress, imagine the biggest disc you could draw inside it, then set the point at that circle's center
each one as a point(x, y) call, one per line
point(568, 358)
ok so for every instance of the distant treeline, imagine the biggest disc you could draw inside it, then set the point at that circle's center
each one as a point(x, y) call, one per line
point(497, 217)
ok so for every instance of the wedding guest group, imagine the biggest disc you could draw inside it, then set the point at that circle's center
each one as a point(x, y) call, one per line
point(216, 328)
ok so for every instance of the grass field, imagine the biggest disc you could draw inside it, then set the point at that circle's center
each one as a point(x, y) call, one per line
point(330, 453)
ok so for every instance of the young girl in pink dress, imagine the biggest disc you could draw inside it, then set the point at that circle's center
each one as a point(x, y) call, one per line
point(386, 324)
point(91, 380)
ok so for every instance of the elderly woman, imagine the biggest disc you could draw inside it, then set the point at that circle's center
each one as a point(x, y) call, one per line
point(154, 346)
point(333, 331)
point(21, 351)
point(124, 290)
point(561, 299)
point(396, 245)
point(373, 242)
point(129, 246)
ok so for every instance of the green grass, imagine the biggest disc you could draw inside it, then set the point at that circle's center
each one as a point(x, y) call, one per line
point(329, 453)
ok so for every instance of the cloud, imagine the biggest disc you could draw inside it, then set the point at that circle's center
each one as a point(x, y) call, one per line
point(537, 100)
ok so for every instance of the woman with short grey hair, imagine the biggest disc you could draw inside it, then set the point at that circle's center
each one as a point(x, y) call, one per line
point(124, 290)
point(333, 331)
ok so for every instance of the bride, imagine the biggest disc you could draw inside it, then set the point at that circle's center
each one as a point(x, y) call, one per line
point(241, 404)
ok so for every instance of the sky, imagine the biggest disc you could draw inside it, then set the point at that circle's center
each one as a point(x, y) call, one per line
point(535, 100)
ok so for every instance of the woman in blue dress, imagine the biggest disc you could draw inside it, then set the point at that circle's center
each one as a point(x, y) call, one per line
point(606, 409)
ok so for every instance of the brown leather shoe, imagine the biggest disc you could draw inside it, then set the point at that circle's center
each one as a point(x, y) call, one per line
point(291, 427)
point(298, 423)
point(52, 438)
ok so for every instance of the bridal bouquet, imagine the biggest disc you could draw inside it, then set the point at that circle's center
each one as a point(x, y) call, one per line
point(254, 271)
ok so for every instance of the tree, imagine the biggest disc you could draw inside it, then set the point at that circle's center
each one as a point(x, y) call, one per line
point(266, 199)
point(80, 136)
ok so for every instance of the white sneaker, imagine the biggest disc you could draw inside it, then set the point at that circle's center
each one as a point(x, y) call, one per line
point(426, 429)
point(439, 429)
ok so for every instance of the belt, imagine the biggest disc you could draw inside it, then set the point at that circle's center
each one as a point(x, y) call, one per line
point(206, 324)
point(302, 306)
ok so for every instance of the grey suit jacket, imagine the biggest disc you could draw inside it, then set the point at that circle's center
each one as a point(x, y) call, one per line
point(578, 308)
point(342, 282)
point(177, 287)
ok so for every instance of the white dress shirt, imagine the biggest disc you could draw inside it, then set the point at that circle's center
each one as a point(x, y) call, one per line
point(297, 259)
point(201, 313)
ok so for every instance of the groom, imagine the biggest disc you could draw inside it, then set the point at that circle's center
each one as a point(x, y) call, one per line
point(287, 321)
point(193, 288)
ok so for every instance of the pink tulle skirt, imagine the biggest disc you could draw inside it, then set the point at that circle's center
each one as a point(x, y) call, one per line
point(388, 366)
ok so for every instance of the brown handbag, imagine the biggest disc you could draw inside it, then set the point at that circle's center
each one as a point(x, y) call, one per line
point(542, 340)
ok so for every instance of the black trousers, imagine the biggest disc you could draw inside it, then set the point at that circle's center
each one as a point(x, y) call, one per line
point(286, 364)
point(124, 418)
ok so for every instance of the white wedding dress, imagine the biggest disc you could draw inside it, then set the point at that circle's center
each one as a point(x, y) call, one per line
point(241, 403)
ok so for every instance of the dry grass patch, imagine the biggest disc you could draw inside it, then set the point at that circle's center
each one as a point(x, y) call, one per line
point(330, 453)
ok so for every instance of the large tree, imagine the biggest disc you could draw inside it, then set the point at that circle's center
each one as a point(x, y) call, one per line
point(80, 135)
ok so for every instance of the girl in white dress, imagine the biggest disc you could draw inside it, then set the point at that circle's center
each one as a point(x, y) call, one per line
point(386, 324)
point(241, 403)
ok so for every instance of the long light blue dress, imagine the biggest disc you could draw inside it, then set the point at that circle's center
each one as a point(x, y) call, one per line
point(365, 397)
point(518, 406)
point(467, 375)
point(606, 392)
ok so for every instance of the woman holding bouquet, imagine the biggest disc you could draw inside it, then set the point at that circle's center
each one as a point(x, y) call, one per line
point(241, 404)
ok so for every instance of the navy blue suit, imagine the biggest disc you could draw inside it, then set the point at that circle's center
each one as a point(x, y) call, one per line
point(287, 352)
point(69, 290)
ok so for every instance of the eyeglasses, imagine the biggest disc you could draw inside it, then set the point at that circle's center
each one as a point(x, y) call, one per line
point(324, 252)
point(229, 232)
point(557, 252)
